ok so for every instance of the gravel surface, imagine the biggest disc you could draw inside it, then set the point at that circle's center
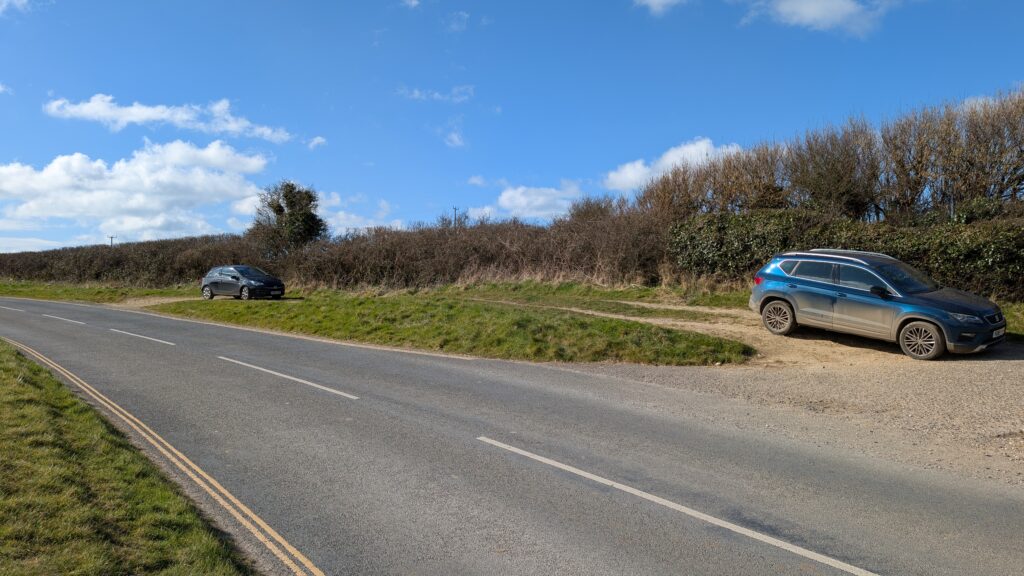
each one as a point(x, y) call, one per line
point(960, 413)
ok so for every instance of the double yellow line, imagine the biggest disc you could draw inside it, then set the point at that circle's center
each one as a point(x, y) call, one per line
point(274, 542)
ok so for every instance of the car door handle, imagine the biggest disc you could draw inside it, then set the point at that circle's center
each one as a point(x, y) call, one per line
point(791, 285)
point(840, 294)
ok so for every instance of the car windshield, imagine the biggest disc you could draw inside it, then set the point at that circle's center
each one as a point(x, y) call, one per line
point(906, 278)
point(251, 271)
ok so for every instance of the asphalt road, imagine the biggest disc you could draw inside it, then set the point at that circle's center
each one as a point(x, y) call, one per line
point(371, 461)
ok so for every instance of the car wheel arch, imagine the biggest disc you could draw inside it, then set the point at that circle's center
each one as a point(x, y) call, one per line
point(769, 298)
point(907, 319)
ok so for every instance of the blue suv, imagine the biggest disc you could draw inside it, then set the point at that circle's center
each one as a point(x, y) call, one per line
point(873, 295)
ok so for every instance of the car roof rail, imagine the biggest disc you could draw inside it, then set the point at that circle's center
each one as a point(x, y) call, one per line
point(826, 255)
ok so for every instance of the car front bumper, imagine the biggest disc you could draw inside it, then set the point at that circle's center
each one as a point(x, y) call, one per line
point(969, 340)
point(266, 291)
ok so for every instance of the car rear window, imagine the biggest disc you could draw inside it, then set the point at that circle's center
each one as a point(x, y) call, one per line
point(820, 271)
point(853, 277)
point(788, 266)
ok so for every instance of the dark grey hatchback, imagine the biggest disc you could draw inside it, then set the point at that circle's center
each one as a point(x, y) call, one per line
point(240, 281)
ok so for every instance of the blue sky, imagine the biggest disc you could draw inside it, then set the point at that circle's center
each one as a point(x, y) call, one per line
point(164, 118)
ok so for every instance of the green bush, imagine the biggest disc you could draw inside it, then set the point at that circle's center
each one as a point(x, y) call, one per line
point(983, 257)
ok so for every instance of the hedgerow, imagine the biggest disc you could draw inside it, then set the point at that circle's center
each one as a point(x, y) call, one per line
point(986, 257)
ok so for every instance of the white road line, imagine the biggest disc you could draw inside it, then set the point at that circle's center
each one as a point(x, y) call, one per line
point(292, 378)
point(12, 309)
point(141, 336)
point(850, 569)
point(64, 319)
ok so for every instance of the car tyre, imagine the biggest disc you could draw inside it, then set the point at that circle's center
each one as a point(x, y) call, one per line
point(777, 316)
point(244, 294)
point(275, 297)
point(922, 341)
point(207, 293)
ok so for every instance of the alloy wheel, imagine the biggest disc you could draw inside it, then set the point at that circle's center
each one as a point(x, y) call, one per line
point(919, 340)
point(778, 318)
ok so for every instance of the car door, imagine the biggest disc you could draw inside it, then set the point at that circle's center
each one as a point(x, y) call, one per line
point(859, 311)
point(812, 288)
point(213, 280)
point(229, 281)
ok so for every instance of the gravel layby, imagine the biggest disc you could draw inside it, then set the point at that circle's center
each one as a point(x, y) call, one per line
point(960, 413)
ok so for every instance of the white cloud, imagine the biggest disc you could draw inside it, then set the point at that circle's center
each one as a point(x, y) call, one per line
point(156, 193)
point(4, 89)
point(5, 5)
point(482, 212)
point(632, 175)
point(977, 102)
point(410, 3)
point(345, 222)
point(457, 21)
point(316, 142)
point(383, 209)
point(214, 118)
point(16, 244)
point(454, 139)
point(8, 225)
point(247, 206)
point(857, 17)
point(476, 180)
point(457, 95)
point(527, 202)
point(658, 7)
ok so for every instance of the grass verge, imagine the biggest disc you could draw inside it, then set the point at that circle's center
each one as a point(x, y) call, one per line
point(1014, 313)
point(77, 498)
point(98, 293)
point(600, 299)
point(444, 321)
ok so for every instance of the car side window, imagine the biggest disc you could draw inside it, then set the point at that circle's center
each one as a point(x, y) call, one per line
point(853, 277)
point(817, 271)
point(788, 266)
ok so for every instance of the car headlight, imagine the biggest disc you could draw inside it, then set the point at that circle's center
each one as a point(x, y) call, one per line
point(255, 283)
point(966, 318)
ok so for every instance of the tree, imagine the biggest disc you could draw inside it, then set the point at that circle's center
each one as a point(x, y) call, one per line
point(836, 171)
point(286, 218)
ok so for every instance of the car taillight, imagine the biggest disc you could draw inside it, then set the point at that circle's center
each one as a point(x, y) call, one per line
point(758, 280)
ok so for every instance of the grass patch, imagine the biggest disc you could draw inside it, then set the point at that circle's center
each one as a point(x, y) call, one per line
point(99, 293)
point(77, 498)
point(450, 321)
point(1014, 320)
point(615, 300)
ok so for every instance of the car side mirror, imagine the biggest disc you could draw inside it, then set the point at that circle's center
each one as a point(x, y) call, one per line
point(234, 277)
point(879, 291)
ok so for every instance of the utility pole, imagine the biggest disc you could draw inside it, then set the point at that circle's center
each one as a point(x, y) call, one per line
point(111, 240)
point(455, 220)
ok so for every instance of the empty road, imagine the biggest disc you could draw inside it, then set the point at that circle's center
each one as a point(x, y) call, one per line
point(324, 458)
